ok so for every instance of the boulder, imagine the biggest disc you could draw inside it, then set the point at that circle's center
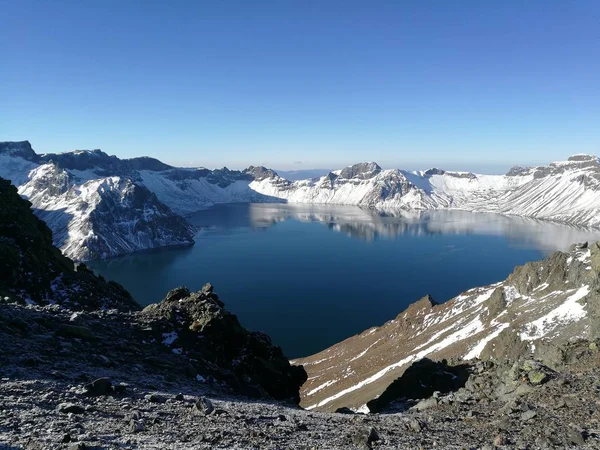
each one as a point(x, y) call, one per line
point(421, 380)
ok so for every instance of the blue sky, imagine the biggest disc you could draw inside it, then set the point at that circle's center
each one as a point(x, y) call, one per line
point(474, 85)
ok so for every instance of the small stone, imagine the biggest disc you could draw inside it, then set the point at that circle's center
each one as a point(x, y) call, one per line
point(575, 437)
point(415, 425)
point(500, 440)
point(593, 346)
point(204, 406)
point(155, 398)
point(301, 427)
point(67, 408)
point(100, 386)
point(207, 289)
point(364, 438)
point(65, 438)
point(537, 377)
point(528, 415)
point(179, 397)
point(427, 403)
point(136, 426)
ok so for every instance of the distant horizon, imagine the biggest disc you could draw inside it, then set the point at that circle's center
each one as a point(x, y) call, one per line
point(298, 166)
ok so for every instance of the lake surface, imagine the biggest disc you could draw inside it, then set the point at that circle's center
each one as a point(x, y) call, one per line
point(310, 276)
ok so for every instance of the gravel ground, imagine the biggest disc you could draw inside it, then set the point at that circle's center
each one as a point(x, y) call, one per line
point(48, 401)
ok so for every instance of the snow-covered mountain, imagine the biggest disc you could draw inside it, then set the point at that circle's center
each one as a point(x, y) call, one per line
point(92, 218)
point(539, 307)
point(567, 191)
point(100, 205)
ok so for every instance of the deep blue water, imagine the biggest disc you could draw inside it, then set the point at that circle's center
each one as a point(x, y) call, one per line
point(312, 276)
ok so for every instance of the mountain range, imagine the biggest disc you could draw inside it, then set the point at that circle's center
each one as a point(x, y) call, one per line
point(101, 206)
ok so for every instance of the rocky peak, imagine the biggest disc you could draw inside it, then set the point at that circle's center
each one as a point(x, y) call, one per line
point(582, 157)
point(146, 163)
point(83, 160)
point(19, 149)
point(361, 171)
point(434, 171)
point(107, 165)
point(421, 306)
point(259, 173)
point(518, 171)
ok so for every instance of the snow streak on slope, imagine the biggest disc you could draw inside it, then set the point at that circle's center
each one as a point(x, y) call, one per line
point(542, 300)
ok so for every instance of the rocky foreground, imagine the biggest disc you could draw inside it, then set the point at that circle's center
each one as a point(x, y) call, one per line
point(95, 380)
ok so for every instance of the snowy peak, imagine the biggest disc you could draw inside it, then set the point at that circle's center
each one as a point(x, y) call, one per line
point(259, 173)
point(360, 171)
point(104, 217)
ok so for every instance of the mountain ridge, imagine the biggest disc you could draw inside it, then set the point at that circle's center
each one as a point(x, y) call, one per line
point(564, 191)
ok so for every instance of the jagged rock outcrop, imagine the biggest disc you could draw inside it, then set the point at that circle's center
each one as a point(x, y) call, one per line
point(196, 324)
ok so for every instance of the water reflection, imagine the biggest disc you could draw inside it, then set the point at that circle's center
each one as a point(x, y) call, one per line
point(370, 225)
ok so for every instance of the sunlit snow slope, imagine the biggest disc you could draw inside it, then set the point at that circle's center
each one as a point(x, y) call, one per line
point(567, 191)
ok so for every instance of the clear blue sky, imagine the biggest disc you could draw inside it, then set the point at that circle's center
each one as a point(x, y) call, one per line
point(478, 85)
